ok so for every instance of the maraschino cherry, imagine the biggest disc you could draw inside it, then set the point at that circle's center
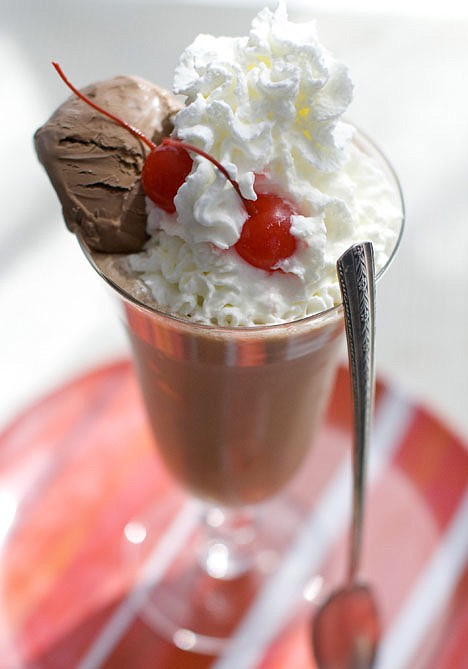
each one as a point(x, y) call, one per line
point(165, 169)
point(265, 238)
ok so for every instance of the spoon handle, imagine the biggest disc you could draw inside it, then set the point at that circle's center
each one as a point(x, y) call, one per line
point(356, 275)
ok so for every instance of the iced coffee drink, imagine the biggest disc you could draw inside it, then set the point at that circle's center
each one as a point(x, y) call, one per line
point(221, 240)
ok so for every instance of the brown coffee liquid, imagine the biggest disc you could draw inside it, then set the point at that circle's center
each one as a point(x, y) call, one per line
point(233, 412)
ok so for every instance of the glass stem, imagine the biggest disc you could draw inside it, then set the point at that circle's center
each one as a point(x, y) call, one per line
point(229, 546)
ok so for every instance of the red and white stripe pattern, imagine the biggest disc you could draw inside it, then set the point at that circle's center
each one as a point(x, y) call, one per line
point(70, 482)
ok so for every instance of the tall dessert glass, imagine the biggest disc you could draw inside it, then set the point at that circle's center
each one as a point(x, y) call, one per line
point(233, 412)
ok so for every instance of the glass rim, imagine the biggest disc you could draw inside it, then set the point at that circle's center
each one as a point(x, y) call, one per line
point(334, 310)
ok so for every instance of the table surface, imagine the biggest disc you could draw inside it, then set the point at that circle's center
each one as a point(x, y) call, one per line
point(74, 590)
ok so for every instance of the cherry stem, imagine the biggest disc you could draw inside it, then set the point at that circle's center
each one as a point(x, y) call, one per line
point(137, 133)
point(167, 140)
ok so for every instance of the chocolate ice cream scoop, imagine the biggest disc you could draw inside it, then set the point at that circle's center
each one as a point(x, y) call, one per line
point(95, 164)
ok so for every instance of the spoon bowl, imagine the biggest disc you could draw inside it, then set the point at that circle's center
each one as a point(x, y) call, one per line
point(346, 630)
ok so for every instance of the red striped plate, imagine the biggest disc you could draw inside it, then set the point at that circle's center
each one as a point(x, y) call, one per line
point(70, 483)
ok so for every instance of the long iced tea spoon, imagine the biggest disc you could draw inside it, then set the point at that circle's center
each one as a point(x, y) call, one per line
point(346, 627)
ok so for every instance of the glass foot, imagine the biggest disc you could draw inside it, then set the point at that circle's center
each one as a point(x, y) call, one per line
point(196, 611)
point(204, 566)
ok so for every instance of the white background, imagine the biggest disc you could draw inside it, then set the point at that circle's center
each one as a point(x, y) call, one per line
point(409, 64)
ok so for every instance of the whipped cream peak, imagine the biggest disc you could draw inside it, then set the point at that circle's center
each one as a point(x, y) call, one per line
point(268, 107)
point(259, 95)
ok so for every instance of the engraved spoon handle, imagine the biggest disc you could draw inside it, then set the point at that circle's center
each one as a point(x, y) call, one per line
point(356, 275)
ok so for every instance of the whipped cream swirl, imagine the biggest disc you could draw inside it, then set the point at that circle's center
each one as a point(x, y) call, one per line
point(268, 107)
